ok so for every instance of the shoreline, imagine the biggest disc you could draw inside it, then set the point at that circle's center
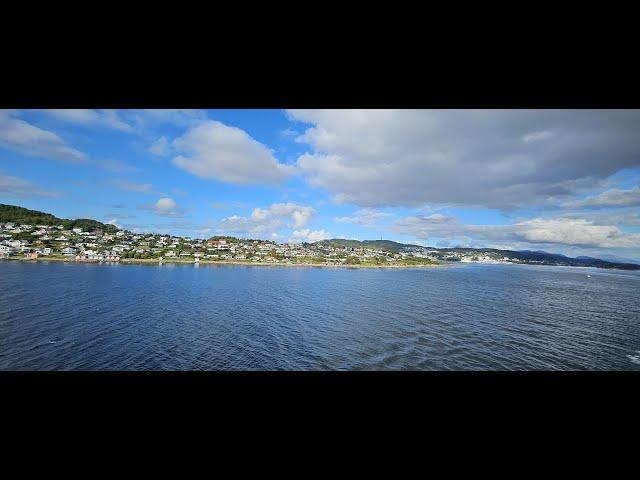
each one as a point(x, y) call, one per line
point(149, 261)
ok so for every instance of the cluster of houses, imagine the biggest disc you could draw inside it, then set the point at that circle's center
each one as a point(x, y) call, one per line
point(459, 255)
point(33, 241)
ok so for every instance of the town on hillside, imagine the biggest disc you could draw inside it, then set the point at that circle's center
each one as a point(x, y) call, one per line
point(30, 242)
point(30, 235)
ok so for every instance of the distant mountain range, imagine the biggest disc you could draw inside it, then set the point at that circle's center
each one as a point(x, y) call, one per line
point(452, 254)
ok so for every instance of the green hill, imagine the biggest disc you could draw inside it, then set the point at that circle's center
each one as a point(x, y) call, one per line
point(387, 245)
point(19, 215)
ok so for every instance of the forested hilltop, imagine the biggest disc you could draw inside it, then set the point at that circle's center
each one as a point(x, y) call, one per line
point(24, 216)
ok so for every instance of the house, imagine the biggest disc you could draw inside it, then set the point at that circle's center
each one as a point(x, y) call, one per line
point(69, 251)
point(31, 255)
point(77, 230)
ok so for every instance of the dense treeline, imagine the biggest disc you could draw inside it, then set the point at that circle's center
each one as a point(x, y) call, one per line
point(19, 216)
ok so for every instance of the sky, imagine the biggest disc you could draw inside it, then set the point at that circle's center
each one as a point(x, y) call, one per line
point(562, 181)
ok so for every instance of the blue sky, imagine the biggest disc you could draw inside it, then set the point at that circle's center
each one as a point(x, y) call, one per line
point(556, 180)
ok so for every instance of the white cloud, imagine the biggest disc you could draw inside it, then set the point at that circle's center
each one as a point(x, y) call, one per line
point(213, 150)
point(133, 187)
point(497, 158)
point(27, 139)
point(14, 187)
point(270, 219)
point(367, 217)
point(90, 117)
point(579, 232)
point(308, 236)
point(566, 231)
point(614, 197)
point(161, 147)
point(166, 207)
point(165, 204)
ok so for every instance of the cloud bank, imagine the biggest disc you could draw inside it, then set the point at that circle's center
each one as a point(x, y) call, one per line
point(215, 151)
point(496, 159)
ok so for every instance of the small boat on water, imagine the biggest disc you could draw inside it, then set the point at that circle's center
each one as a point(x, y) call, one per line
point(588, 276)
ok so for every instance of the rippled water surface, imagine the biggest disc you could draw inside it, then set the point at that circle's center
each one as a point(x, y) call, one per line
point(56, 316)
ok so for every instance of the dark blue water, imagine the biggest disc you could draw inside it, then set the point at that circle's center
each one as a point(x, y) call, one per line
point(56, 316)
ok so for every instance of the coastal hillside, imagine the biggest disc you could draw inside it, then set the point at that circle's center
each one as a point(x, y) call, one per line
point(387, 245)
point(482, 255)
point(20, 216)
point(223, 247)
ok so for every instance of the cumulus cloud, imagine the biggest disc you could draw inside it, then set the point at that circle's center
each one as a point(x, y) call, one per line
point(614, 197)
point(133, 187)
point(367, 217)
point(90, 117)
point(270, 219)
point(578, 232)
point(213, 150)
point(166, 207)
point(567, 231)
point(165, 204)
point(14, 187)
point(308, 236)
point(27, 139)
point(497, 158)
